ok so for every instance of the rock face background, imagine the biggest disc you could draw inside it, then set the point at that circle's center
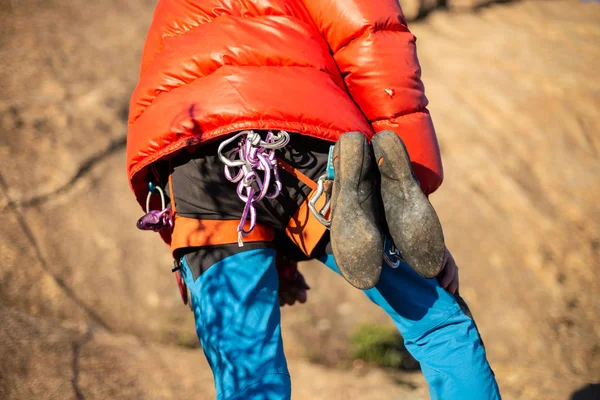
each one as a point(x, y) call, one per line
point(89, 309)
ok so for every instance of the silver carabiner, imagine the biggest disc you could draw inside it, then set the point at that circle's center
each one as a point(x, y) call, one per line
point(312, 203)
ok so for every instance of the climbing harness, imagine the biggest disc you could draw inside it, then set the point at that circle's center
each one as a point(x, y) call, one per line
point(156, 220)
point(254, 166)
point(257, 174)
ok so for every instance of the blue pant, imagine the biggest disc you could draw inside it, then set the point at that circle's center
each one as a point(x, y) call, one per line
point(237, 316)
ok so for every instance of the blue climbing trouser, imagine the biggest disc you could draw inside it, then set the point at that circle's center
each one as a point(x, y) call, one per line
point(237, 316)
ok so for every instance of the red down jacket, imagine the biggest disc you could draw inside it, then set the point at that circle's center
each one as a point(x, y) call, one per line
point(317, 67)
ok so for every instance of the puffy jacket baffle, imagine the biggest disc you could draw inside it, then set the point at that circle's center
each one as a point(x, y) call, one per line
point(316, 67)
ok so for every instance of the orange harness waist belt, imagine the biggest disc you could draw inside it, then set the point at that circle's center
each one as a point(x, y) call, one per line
point(302, 228)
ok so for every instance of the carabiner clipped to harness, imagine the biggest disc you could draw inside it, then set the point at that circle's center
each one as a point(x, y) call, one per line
point(155, 220)
point(257, 175)
point(391, 255)
point(323, 185)
point(321, 215)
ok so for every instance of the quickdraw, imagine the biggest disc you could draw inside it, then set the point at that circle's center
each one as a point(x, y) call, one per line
point(323, 186)
point(321, 215)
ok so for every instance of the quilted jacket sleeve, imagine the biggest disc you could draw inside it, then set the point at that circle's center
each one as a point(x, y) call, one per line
point(377, 57)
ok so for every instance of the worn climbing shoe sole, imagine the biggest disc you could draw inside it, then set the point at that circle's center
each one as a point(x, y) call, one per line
point(356, 239)
point(411, 219)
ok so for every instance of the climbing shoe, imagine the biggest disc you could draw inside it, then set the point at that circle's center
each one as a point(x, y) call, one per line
point(356, 238)
point(411, 219)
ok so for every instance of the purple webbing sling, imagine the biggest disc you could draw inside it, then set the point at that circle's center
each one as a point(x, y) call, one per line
point(257, 173)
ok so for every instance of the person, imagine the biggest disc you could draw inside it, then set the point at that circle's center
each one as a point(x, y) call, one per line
point(232, 123)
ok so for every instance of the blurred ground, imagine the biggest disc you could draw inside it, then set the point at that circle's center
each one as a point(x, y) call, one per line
point(89, 308)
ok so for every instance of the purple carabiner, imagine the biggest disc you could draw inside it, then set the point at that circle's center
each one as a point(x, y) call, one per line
point(156, 220)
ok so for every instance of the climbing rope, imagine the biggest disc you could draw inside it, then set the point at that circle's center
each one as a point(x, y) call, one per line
point(253, 166)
